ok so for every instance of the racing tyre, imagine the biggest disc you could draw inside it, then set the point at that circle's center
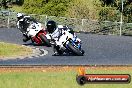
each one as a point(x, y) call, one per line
point(74, 50)
point(45, 40)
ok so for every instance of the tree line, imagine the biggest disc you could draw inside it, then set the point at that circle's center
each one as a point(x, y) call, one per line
point(86, 9)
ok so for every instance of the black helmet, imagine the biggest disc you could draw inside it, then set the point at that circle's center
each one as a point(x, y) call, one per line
point(19, 16)
point(51, 26)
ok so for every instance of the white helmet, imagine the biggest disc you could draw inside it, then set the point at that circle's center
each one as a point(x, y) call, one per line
point(19, 16)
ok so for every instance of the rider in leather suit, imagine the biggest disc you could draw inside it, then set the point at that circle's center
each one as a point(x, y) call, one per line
point(23, 23)
point(56, 32)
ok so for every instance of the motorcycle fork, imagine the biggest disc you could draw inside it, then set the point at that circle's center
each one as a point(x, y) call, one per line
point(76, 45)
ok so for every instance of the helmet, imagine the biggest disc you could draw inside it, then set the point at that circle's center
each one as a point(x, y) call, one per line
point(51, 26)
point(19, 16)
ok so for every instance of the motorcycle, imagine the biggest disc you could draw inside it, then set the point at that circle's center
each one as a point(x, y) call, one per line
point(69, 43)
point(37, 34)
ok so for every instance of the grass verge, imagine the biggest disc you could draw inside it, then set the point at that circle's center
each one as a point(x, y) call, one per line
point(56, 77)
point(13, 50)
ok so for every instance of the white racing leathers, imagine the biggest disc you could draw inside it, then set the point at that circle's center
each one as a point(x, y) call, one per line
point(57, 33)
point(61, 35)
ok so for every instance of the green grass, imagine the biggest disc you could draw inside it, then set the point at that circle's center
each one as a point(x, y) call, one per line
point(16, 8)
point(13, 50)
point(59, 79)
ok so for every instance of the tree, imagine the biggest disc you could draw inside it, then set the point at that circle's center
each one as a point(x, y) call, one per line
point(46, 1)
point(109, 2)
point(19, 2)
point(49, 7)
point(85, 9)
point(114, 10)
point(129, 1)
point(4, 4)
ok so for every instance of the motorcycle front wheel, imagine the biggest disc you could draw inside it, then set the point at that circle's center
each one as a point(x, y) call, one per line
point(74, 50)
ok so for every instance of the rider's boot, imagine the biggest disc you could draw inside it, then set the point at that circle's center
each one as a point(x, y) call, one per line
point(57, 50)
point(26, 38)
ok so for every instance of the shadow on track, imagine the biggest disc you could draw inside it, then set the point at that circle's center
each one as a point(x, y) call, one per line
point(67, 54)
point(33, 44)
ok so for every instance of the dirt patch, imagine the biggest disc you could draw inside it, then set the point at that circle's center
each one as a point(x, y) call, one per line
point(4, 69)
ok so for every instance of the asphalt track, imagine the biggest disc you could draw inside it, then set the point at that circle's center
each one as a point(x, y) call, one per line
point(99, 50)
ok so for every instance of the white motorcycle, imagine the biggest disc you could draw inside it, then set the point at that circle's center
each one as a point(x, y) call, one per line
point(69, 43)
point(37, 34)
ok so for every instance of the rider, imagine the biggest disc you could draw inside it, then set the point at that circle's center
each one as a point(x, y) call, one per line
point(23, 23)
point(56, 32)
